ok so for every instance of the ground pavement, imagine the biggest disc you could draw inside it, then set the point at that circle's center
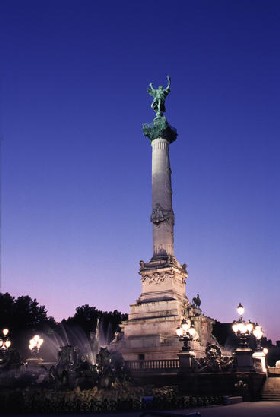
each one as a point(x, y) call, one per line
point(244, 409)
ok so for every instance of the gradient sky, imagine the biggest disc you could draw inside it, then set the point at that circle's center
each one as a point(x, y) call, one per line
point(76, 168)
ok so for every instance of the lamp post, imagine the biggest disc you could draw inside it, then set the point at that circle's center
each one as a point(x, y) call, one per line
point(243, 329)
point(5, 342)
point(243, 353)
point(186, 333)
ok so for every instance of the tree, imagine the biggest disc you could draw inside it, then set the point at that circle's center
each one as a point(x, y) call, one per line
point(24, 317)
point(28, 314)
point(87, 318)
point(6, 310)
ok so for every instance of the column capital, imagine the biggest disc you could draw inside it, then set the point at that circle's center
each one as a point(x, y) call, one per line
point(160, 128)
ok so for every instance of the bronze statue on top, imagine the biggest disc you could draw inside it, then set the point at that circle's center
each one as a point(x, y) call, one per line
point(159, 128)
point(159, 95)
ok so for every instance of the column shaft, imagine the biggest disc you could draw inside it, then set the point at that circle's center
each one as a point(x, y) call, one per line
point(162, 215)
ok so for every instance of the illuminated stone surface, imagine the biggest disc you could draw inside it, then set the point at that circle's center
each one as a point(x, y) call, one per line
point(150, 331)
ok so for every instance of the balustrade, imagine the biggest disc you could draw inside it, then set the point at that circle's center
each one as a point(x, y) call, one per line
point(153, 364)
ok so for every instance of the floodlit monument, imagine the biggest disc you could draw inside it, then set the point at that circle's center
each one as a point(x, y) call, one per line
point(150, 331)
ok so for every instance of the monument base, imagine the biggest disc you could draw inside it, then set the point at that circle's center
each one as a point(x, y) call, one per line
point(150, 331)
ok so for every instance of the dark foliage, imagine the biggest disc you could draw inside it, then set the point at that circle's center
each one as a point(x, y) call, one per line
point(224, 334)
point(24, 317)
point(23, 313)
point(123, 398)
point(90, 319)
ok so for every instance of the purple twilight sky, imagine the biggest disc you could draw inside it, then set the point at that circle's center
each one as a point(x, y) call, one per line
point(76, 168)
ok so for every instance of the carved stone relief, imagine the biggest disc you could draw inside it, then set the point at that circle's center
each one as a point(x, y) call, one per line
point(157, 277)
point(160, 215)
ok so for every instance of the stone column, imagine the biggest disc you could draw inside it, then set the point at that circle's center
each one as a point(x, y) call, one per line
point(161, 134)
point(162, 213)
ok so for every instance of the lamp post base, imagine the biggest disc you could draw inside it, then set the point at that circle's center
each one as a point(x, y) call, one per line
point(186, 362)
point(244, 360)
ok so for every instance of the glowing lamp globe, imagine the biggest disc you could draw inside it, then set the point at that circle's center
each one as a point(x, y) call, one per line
point(240, 309)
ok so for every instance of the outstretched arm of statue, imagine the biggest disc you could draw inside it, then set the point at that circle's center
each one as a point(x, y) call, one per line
point(166, 91)
point(168, 83)
point(151, 89)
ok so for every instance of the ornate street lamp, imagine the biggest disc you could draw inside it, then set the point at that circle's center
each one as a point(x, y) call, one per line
point(245, 359)
point(243, 329)
point(186, 333)
point(35, 344)
point(5, 342)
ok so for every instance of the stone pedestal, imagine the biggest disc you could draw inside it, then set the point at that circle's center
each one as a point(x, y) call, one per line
point(259, 358)
point(150, 331)
point(244, 360)
point(186, 362)
point(163, 279)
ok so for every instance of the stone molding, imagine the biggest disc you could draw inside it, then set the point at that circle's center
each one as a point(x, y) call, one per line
point(163, 263)
point(157, 277)
point(160, 277)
